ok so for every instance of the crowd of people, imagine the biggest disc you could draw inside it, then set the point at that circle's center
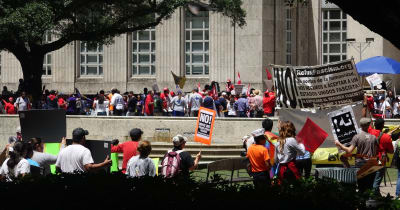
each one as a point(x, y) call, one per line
point(227, 103)
point(382, 105)
point(28, 157)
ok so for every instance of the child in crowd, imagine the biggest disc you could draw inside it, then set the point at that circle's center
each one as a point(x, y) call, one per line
point(141, 165)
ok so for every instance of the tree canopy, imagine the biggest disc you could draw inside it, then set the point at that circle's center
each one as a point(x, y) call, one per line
point(23, 24)
point(380, 17)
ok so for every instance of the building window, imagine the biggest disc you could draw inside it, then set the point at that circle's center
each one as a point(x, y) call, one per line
point(197, 43)
point(91, 59)
point(334, 33)
point(144, 52)
point(47, 65)
point(47, 57)
point(288, 36)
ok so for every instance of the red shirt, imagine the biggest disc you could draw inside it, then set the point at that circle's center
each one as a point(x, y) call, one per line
point(149, 108)
point(129, 149)
point(10, 108)
point(269, 104)
point(164, 99)
point(385, 143)
point(61, 103)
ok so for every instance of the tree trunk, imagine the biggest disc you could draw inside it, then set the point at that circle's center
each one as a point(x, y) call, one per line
point(32, 68)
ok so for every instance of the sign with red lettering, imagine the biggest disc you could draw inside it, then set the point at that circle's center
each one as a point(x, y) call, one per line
point(205, 125)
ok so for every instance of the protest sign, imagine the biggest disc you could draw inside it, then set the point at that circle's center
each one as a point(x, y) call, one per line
point(312, 135)
point(239, 89)
point(374, 80)
point(49, 125)
point(205, 125)
point(326, 85)
point(53, 149)
point(343, 124)
point(319, 117)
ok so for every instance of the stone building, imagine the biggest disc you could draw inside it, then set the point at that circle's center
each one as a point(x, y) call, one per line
point(207, 48)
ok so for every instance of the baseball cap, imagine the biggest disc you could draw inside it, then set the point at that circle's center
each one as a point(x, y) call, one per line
point(228, 81)
point(135, 133)
point(79, 133)
point(178, 140)
point(166, 89)
point(258, 132)
point(365, 121)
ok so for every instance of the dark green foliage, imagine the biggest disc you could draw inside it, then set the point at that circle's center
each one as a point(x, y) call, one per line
point(116, 191)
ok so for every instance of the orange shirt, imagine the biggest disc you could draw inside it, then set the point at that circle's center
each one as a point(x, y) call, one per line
point(258, 155)
point(110, 107)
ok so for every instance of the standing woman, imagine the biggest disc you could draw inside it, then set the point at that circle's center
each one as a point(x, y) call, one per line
point(286, 151)
point(100, 106)
point(16, 165)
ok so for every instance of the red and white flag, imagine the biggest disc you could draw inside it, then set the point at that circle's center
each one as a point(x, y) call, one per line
point(248, 90)
point(198, 87)
point(239, 81)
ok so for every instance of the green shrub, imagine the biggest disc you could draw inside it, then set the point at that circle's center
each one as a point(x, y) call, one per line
point(116, 191)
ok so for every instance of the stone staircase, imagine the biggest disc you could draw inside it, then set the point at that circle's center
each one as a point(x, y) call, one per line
point(209, 153)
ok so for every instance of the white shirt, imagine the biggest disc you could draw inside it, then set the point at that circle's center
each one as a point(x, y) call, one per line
point(231, 109)
point(22, 104)
point(195, 101)
point(117, 101)
point(178, 104)
point(44, 160)
point(137, 167)
point(396, 108)
point(74, 158)
point(101, 107)
point(22, 167)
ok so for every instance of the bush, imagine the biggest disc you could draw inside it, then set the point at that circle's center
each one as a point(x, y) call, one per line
point(116, 191)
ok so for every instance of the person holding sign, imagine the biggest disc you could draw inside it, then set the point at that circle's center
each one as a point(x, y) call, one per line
point(366, 145)
point(178, 161)
point(259, 159)
point(76, 157)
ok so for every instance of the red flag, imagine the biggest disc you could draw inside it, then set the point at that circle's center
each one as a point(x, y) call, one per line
point(248, 90)
point(214, 92)
point(239, 81)
point(312, 135)
point(269, 75)
point(198, 87)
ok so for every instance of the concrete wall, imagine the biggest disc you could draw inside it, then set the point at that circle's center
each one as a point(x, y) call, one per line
point(226, 130)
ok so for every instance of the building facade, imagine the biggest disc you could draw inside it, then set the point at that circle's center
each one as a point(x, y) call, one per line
point(206, 48)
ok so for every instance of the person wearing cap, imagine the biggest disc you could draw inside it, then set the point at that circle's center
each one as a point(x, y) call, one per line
point(187, 163)
point(259, 159)
point(269, 103)
point(223, 104)
point(178, 105)
point(242, 106)
point(76, 157)
point(128, 148)
point(366, 145)
point(195, 102)
point(229, 86)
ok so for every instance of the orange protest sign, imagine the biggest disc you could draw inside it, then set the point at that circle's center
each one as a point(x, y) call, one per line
point(205, 125)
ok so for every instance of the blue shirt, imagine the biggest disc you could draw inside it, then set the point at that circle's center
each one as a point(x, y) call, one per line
point(242, 105)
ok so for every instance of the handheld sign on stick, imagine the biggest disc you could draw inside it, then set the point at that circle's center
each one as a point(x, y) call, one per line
point(205, 125)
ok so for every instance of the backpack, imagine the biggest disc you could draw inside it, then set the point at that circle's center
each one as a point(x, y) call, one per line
point(171, 164)
point(396, 156)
